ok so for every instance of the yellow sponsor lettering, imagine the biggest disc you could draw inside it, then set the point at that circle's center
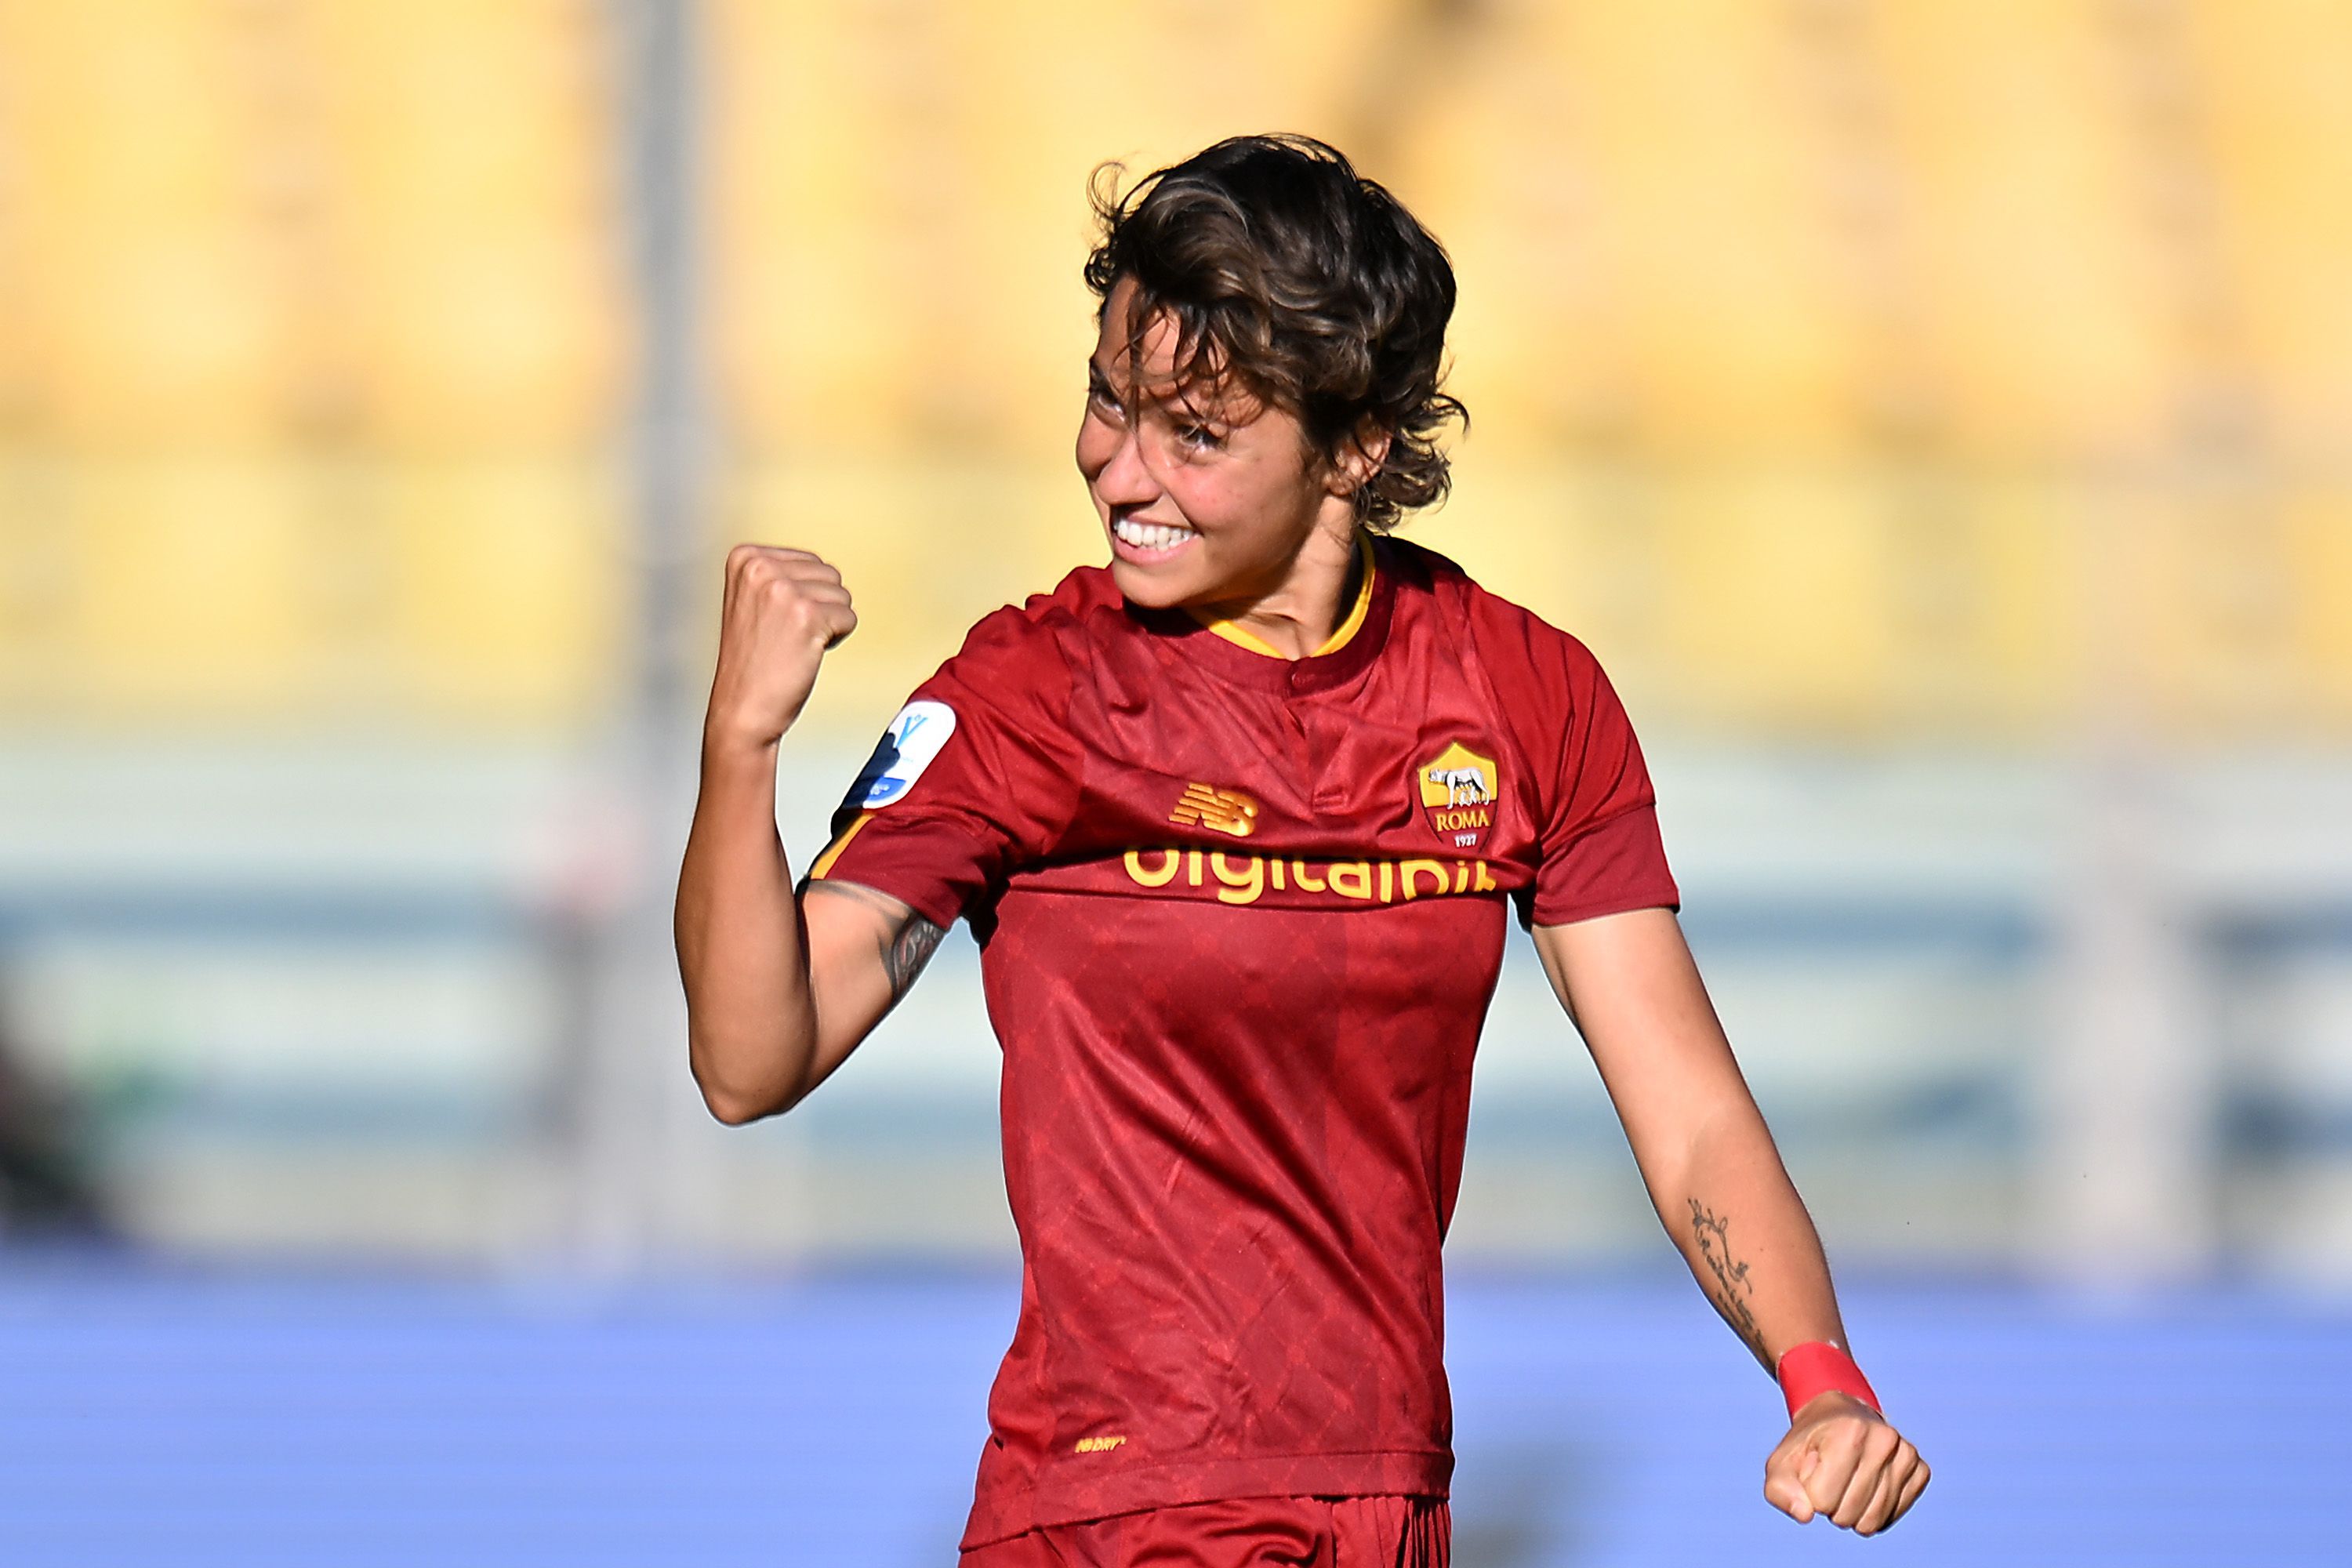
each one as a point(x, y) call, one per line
point(1435, 870)
point(1159, 879)
point(1241, 879)
point(1239, 889)
point(1096, 1445)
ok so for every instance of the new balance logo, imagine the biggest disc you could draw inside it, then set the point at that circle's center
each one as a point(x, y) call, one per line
point(1223, 810)
point(1096, 1445)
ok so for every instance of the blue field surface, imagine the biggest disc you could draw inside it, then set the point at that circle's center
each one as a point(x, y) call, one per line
point(149, 1414)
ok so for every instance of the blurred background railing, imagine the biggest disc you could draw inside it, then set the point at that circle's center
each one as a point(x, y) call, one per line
point(1937, 413)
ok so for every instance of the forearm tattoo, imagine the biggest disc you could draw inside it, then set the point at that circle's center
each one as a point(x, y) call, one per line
point(1731, 1291)
point(907, 942)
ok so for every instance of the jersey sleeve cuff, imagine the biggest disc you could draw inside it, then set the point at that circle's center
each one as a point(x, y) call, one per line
point(905, 865)
point(1617, 866)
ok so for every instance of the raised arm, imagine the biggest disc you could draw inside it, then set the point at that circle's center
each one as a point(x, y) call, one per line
point(779, 988)
point(1715, 1177)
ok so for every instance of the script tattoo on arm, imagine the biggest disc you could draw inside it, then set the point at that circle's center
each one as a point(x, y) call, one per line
point(907, 942)
point(1732, 1290)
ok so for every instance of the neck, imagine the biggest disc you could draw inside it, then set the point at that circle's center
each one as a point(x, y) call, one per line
point(1299, 617)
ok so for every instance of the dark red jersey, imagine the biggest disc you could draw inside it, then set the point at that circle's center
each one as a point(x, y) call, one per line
point(1240, 919)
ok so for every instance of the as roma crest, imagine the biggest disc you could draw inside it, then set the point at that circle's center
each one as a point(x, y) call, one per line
point(1458, 790)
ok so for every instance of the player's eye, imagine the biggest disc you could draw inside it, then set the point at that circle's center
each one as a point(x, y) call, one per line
point(1201, 437)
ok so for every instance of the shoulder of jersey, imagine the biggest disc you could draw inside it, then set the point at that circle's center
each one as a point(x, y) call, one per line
point(1084, 604)
point(1022, 654)
point(1460, 599)
point(1085, 593)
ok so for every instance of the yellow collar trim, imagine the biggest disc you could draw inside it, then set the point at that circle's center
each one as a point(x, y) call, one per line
point(1241, 636)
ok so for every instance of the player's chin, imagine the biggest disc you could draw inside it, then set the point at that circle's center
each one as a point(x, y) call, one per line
point(1159, 579)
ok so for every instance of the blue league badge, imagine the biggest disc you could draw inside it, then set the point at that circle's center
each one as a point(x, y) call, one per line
point(906, 748)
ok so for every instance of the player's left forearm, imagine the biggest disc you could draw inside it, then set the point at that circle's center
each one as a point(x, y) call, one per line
point(1630, 984)
point(1729, 1205)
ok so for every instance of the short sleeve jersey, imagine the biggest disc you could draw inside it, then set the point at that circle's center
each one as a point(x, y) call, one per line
point(1241, 917)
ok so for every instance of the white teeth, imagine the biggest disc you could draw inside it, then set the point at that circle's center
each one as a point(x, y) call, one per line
point(1149, 535)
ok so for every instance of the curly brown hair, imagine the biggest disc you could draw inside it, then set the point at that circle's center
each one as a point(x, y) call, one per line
point(1282, 266)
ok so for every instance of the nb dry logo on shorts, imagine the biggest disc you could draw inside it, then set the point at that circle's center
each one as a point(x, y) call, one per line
point(1458, 790)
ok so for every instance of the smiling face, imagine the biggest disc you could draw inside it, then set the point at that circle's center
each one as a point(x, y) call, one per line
point(1211, 497)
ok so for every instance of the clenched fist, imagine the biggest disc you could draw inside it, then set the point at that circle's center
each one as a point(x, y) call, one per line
point(1840, 1458)
point(783, 609)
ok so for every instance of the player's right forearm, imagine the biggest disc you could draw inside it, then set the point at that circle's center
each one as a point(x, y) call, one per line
point(750, 1012)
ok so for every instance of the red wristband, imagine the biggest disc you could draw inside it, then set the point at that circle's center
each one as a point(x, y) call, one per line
point(1816, 1367)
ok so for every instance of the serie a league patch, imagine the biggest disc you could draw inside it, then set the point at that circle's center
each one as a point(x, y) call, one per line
point(906, 748)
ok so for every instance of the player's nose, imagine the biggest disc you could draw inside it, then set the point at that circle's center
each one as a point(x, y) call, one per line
point(1126, 479)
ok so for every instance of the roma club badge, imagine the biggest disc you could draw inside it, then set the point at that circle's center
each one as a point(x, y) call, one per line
point(1458, 789)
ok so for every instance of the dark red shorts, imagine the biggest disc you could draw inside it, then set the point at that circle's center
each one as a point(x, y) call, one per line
point(1243, 1532)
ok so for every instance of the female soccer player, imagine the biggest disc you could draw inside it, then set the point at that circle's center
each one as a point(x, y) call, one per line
point(1234, 821)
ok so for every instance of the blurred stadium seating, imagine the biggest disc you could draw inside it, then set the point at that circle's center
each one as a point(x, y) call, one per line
point(316, 361)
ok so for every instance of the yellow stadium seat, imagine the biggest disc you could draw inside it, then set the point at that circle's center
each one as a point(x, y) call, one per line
point(2216, 616)
point(1499, 166)
point(1777, 612)
point(150, 252)
point(512, 588)
point(2275, 83)
point(822, 193)
point(37, 577)
point(2011, 669)
point(2319, 529)
point(1709, 216)
point(476, 222)
point(192, 597)
point(196, 592)
point(2053, 325)
point(20, 375)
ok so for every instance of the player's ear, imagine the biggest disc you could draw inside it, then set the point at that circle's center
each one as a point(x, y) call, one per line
point(1358, 458)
